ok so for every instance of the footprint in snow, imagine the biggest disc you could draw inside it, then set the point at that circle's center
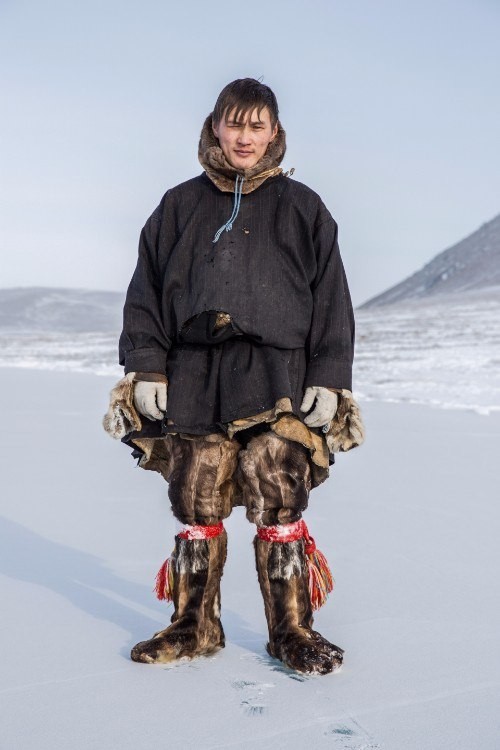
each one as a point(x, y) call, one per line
point(351, 736)
point(252, 702)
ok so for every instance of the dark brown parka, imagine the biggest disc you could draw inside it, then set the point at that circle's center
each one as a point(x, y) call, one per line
point(241, 326)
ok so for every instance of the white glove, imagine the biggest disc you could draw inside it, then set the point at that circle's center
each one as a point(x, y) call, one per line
point(150, 399)
point(325, 407)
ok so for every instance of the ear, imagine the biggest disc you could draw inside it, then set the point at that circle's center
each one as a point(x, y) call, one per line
point(275, 132)
point(215, 129)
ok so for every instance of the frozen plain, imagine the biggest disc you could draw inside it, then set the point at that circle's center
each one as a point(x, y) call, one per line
point(434, 352)
point(409, 523)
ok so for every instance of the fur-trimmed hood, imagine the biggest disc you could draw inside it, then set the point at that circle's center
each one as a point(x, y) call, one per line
point(223, 175)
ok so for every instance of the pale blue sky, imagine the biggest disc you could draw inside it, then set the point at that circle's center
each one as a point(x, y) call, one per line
point(391, 110)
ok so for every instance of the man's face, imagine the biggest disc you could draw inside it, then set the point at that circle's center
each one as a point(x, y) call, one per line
point(244, 143)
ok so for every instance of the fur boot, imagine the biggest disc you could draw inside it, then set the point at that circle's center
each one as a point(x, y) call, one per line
point(283, 577)
point(196, 628)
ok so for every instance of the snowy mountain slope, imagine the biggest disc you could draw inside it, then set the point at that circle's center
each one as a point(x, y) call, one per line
point(471, 264)
point(54, 309)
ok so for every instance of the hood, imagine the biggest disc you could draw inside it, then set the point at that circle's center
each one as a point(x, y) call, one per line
point(223, 175)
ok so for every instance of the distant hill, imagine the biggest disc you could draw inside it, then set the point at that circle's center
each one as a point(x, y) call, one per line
point(60, 310)
point(470, 265)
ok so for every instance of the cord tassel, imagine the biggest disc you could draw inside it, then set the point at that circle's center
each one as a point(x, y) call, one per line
point(321, 581)
point(164, 587)
point(236, 207)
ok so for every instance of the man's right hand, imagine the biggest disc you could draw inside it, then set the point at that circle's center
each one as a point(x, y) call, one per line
point(150, 399)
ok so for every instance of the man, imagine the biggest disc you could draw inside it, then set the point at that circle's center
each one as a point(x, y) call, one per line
point(237, 322)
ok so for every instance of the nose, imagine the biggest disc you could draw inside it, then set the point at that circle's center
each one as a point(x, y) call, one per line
point(244, 136)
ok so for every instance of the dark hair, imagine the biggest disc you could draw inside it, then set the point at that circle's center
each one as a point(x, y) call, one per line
point(245, 94)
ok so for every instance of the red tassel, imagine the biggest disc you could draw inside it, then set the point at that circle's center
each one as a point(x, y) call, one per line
point(321, 581)
point(164, 587)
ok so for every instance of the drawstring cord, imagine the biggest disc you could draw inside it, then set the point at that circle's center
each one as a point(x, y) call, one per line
point(237, 200)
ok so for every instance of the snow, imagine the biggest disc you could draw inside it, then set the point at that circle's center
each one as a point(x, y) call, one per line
point(408, 522)
point(71, 351)
point(440, 350)
point(443, 352)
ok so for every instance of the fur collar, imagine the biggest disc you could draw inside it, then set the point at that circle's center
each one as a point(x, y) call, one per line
point(223, 175)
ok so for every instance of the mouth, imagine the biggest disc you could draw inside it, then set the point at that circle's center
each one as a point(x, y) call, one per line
point(243, 153)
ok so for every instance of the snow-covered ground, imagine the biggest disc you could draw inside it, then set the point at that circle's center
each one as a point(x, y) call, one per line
point(62, 351)
point(440, 352)
point(409, 523)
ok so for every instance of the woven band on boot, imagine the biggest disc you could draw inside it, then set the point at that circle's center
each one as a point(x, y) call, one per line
point(201, 532)
point(164, 585)
point(321, 581)
point(288, 532)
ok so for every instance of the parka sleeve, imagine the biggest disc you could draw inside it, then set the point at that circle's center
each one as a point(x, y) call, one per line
point(144, 344)
point(330, 343)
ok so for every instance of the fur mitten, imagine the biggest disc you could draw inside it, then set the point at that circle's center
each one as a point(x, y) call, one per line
point(347, 429)
point(122, 417)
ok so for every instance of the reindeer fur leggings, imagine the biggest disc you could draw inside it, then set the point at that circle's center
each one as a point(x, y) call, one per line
point(209, 474)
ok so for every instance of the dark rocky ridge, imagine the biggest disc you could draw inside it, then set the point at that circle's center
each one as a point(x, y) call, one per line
point(470, 265)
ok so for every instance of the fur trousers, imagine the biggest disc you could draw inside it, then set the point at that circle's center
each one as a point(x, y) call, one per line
point(271, 477)
point(209, 475)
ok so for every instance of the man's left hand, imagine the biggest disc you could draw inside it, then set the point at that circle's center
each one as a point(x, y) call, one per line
point(325, 407)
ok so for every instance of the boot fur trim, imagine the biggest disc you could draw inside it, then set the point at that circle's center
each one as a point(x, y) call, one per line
point(286, 560)
point(191, 555)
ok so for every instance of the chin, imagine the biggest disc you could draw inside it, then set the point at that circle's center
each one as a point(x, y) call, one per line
point(243, 163)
